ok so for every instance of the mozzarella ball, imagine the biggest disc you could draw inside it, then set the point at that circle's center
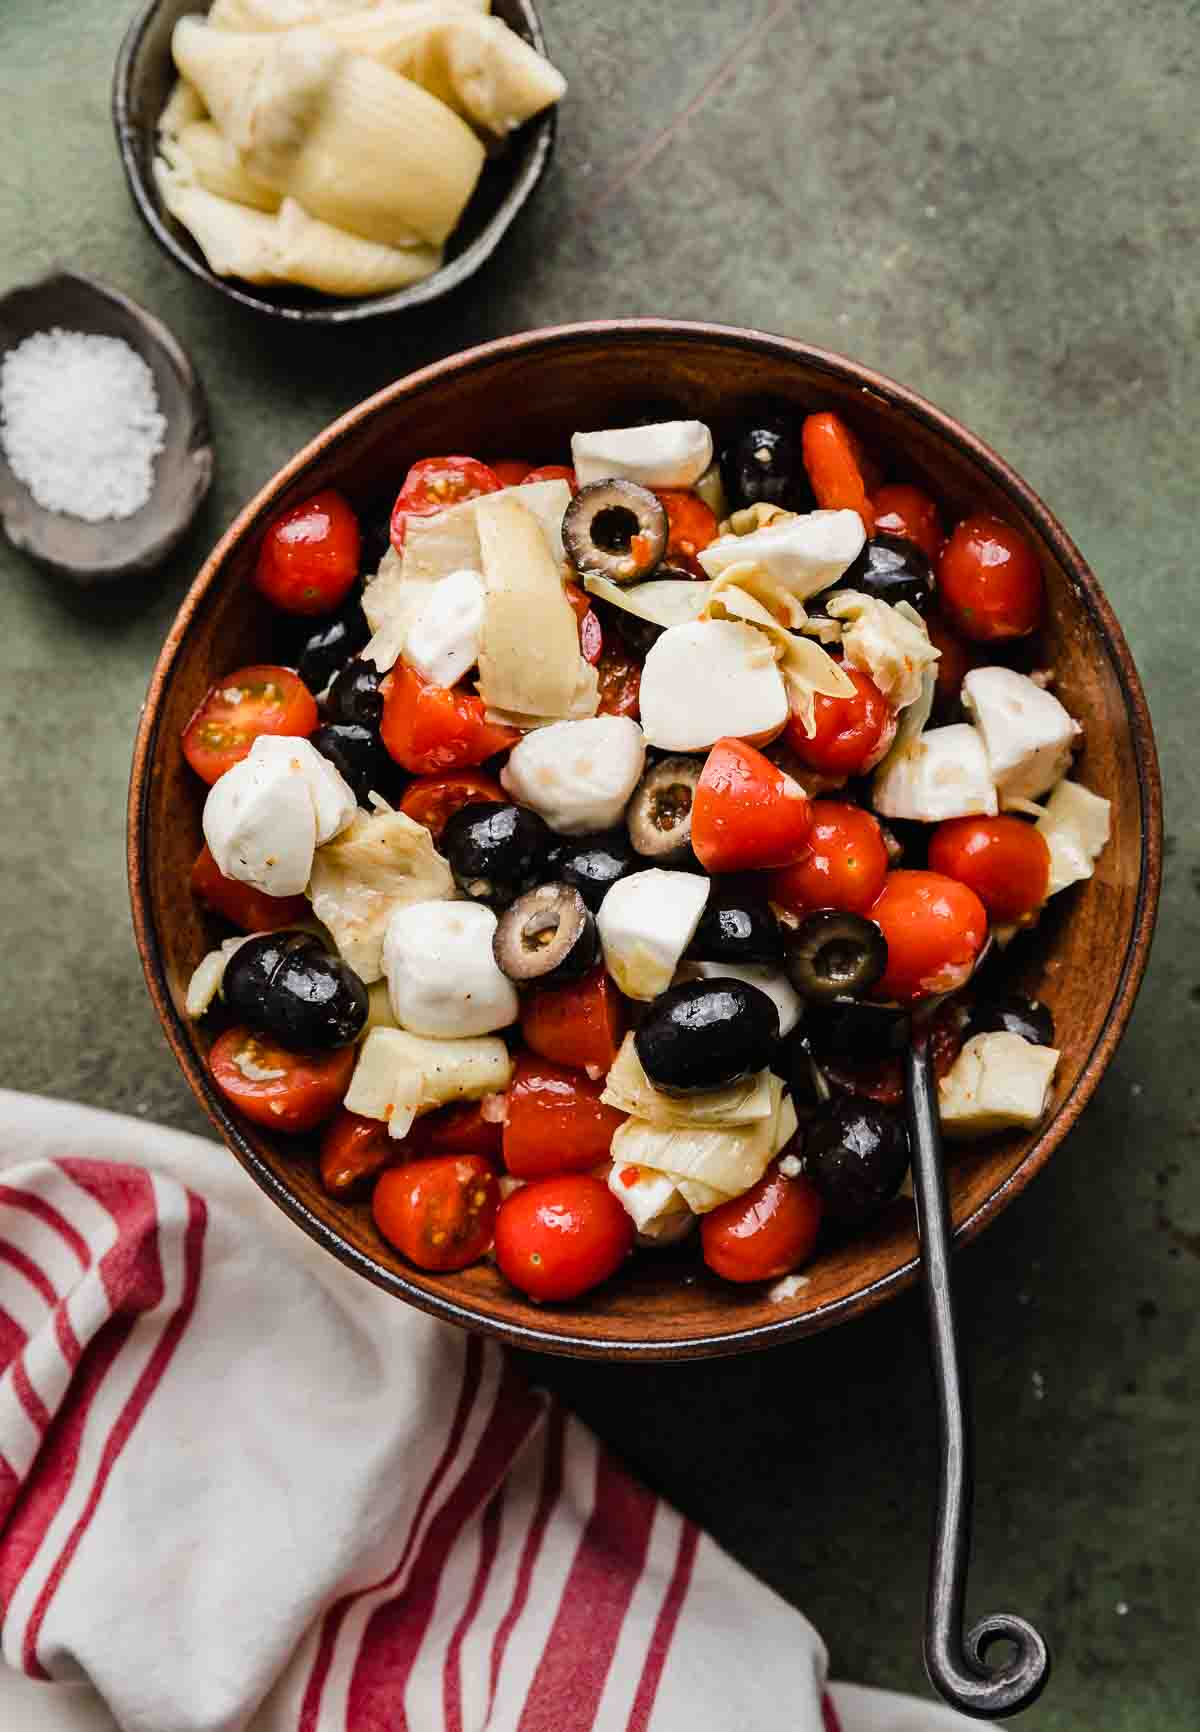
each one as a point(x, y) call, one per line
point(709, 680)
point(943, 773)
point(443, 641)
point(803, 555)
point(667, 454)
point(334, 805)
point(577, 775)
point(1027, 734)
point(646, 922)
point(261, 826)
point(441, 973)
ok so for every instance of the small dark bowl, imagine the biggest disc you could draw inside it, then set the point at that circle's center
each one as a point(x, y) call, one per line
point(95, 553)
point(142, 81)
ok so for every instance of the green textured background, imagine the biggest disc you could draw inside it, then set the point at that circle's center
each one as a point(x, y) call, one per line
point(997, 205)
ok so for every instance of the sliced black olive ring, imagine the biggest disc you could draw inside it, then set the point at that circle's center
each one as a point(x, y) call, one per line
point(660, 813)
point(835, 955)
point(615, 529)
point(547, 934)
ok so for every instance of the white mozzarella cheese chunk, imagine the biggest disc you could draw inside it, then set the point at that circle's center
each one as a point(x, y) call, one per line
point(1027, 733)
point(261, 826)
point(647, 1197)
point(646, 922)
point(802, 555)
point(441, 972)
point(334, 805)
point(577, 775)
point(776, 985)
point(713, 678)
point(1076, 828)
point(998, 1082)
point(443, 641)
point(943, 773)
point(667, 454)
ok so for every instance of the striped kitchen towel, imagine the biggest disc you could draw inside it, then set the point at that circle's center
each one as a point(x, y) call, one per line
point(240, 1488)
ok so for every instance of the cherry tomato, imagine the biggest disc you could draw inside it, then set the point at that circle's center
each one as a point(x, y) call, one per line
point(245, 704)
point(620, 680)
point(462, 1128)
point(510, 471)
point(353, 1150)
point(309, 557)
point(428, 728)
point(836, 465)
point(906, 511)
point(746, 813)
point(554, 472)
point(591, 637)
point(843, 866)
point(433, 800)
point(990, 582)
point(882, 1078)
point(852, 734)
point(440, 1213)
point(691, 526)
point(556, 1121)
point(558, 1237)
point(768, 1231)
point(935, 929)
point(303, 1091)
point(435, 483)
point(580, 1023)
point(241, 904)
point(1004, 860)
point(955, 662)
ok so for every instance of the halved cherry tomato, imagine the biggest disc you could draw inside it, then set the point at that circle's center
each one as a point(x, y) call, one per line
point(353, 1150)
point(556, 1121)
point(843, 866)
point(1004, 860)
point(746, 813)
point(620, 680)
point(769, 1231)
point(837, 466)
point(241, 904)
point(433, 800)
point(882, 1078)
point(906, 511)
point(691, 526)
point(511, 471)
point(591, 638)
point(580, 1023)
point(935, 929)
point(554, 472)
point(234, 712)
point(852, 734)
point(954, 663)
point(989, 581)
point(301, 1090)
point(309, 557)
point(428, 728)
point(556, 1238)
point(462, 1128)
point(435, 483)
point(441, 1213)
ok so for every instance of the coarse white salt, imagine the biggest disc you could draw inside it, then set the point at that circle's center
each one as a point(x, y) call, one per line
point(80, 423)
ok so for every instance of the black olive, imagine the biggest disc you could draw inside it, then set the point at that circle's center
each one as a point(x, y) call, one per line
point(331, 644)
point(736, 928)
point(706, 1033)
point(1013, 1014)
point(287, 985)
point(356, 753)
point(659, 815)
point(547, 934)
point(800, 1070)
point(355, 695)
point(853, 1028)
point(856, 1154)
point(764, 463)
point(834, 954)
point(890, 569)
point(600, 524)
point(592, 864)
point(496, 852)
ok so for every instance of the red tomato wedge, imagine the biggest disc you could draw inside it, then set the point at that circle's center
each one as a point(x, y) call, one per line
point(435, 483)
point(440, 1213)
point(1004, 860)
point(767, 1232)
point(433, 800)
point(354, 1150)
point(245, 704)
point(691, 526)
point(906, 511)
point(935, 929)
point(579, 1024)
point(837, 467)
point(309, 558)
point(241, 904)
point(747, 813)
point(556, 1238)
point(843, 866)
point(285, 1091)
point(556, 1121)
point(428, 728)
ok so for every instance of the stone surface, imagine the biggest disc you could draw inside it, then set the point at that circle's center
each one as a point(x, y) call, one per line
point(998, 206)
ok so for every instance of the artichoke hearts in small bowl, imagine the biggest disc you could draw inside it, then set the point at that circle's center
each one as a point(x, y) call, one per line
point(326, 161)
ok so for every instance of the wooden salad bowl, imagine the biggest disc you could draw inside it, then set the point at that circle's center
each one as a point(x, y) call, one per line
point(527, 394)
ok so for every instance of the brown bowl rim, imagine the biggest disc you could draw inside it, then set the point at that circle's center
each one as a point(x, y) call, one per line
point(1133, 965)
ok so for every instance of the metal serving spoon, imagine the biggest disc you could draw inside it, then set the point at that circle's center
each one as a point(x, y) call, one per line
point(957, 1664)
